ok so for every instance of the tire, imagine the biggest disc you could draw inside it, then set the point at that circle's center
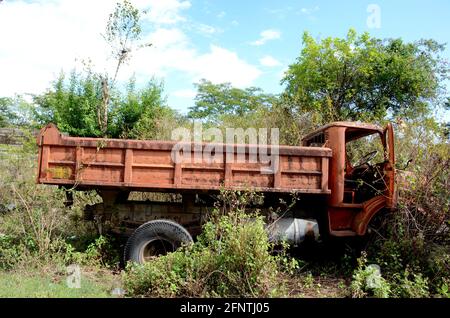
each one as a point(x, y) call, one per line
point(153, 239)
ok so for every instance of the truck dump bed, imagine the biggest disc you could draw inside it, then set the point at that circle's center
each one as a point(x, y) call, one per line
point(97, 163)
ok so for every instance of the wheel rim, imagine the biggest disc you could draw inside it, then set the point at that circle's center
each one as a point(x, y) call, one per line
point(154, 248)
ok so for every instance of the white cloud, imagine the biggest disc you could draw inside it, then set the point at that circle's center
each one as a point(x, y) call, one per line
point(221, 14)
point(186, 93)
point(165, 38)
point(50, 35)
point(221, 65)
point(47, 37)
point(217, 65)
point(267, 35)
point(269, 61)
point(280, 13)
point(163, 12)
point(207, 29)
point(309, 11)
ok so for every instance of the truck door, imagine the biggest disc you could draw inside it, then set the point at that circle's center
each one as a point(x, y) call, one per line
point(389, 168)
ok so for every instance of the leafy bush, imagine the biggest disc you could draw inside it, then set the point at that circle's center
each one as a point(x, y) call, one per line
point(367, 281)
point(10, 252)
point(444, 290)
point(417, 234)
point(410, 285)
point(36, 228)
point(231, 258)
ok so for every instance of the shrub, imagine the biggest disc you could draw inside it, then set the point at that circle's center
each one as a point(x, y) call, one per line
point(231, 258)
point(367, 281)
point(444, 290)
point(410, 285)
point(99, 253)
point(417, 234)
point(36, 228)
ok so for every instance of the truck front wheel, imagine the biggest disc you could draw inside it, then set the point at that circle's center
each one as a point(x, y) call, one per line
point(155, 238)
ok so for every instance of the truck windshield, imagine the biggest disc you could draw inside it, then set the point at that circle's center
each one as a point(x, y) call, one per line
point(364, 169)
point(365, 150)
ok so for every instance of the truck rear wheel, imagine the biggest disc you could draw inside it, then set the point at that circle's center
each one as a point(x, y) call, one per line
point(155, 238)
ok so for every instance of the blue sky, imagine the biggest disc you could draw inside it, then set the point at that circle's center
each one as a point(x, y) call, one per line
point(247, 43)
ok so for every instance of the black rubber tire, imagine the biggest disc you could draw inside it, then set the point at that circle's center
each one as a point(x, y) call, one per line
point(155, 231)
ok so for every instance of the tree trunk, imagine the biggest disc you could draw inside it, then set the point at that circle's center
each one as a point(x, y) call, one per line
point(102, 111)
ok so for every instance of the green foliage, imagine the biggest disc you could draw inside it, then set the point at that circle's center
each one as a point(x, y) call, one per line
point(10, 252)
point(6, 114)
point(444, 290)
point(308, 281)
point(123, 31)
point(410, 285)
point(364, 78)
point(36, 228)
point(15, 112)
point(231, 258)
point(82, 105)
point(143, 113)
point(368, 282)
point(101, 253)
point(123, 27)
point(402, 284)
point(71, 105)
point(222, 106)
point(44, 285)
point(216, 100)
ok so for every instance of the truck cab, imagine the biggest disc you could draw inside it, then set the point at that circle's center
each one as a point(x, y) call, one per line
point(361, 173)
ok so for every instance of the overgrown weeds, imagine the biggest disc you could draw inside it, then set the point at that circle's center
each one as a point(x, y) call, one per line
point(231, 258)
point(412, 242)
point(36, 228)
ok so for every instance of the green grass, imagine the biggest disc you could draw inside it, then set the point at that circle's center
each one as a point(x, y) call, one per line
point(19, 285)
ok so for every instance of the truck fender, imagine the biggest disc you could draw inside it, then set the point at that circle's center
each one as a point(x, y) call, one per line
point(370, 208)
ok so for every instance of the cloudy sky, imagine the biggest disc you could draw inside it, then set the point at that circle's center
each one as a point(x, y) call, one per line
point(247, 43)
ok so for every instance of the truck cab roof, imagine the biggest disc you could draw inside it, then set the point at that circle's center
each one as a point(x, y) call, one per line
point(355, 130)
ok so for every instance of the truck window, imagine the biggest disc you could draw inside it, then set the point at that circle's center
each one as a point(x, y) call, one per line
point(316, 141)
point(364, 173)
point(359, 151)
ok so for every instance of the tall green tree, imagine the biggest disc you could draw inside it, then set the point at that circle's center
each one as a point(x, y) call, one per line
point(222, 106)
point(16, 111)
point(216, 100)
point(6, 114)
point(362, 77)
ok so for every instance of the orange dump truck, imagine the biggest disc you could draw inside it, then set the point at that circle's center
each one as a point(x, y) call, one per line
point(338, 190)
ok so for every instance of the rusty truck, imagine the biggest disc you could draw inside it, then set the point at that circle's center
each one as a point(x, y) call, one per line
point(337, 194)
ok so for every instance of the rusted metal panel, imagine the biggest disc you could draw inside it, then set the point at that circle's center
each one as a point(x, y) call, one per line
point(391, 192)
point(360, 128)
point(127, 178)
point(148, 165)
point(337, 164)
point(370, 208)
